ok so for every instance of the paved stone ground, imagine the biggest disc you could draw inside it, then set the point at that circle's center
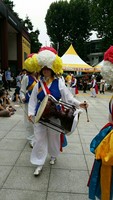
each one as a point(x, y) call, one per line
point(67, 179)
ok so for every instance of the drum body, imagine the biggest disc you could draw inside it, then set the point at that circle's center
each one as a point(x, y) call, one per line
point(50, 107)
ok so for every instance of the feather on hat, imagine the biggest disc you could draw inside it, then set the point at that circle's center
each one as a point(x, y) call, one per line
point(47, 57)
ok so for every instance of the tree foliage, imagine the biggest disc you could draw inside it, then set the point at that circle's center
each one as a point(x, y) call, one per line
point(35, 44)
point(9, 4)
point(68, 23)
point(28, 24)
point(102, 20)
point(57, 23)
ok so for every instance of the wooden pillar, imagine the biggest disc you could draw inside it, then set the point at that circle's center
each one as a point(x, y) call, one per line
point(4, 44)
point(19, 51)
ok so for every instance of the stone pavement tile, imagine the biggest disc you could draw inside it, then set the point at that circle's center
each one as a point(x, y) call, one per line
point(86, 149)
point(8, 125)
point(90, 132)
point(3, 133)
point(9, 194)
point(66, 196)
point(91, 126)
point(12, 144)
point(86, 139)
point(74, 181)
point(73, 138)
point(89, 160)
point(19, 128)
point(73, 148)
point(8, 157)
point(22, 178)
point(70, 161)
point(20, 124)
point(24, 159)
point(100, 125)
point(4, 172)
point(16, 135)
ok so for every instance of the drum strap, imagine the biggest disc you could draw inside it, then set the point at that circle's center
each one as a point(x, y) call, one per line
point(46, 88)
point(63, 140)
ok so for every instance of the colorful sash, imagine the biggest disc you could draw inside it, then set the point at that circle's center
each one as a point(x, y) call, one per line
point(31, 83)
point(101, 177)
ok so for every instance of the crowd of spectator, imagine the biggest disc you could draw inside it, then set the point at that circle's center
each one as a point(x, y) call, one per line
point(6, 98)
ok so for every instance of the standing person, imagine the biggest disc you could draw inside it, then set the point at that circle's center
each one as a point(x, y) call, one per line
point(1, 81)
point(84, 84)
point(68, 80)
point(102, 85)
point(73, 86)
point(27, 84)
point(93, 86)
point(61, 77)
point(101, 179)
point(8, 79)
point(18, 86)
point(23, 73)
point(47, 140)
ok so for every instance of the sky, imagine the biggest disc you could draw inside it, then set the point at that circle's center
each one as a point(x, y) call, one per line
point(36, 10)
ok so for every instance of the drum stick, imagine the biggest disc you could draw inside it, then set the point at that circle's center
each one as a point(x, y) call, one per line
point(86, 112)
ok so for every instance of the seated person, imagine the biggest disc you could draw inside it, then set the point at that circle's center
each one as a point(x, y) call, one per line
point(5, 110)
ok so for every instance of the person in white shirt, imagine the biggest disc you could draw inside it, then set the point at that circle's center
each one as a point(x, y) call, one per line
point(28, 82)
point(47, 140)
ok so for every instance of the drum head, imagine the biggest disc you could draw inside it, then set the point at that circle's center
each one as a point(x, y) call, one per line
point(75, 121)
point(41, 108)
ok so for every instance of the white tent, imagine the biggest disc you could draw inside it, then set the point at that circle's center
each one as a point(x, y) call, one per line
point(72, 62)
point(97, 68)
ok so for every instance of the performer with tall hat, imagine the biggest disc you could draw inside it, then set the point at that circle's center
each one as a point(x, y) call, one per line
point(47, 140)
point(101, 178)
point(28, 82)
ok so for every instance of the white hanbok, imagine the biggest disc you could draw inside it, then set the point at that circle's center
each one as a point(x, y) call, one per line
point(28, 125)
point(47, 140)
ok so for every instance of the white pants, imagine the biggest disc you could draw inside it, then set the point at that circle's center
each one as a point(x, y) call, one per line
point(28, 125)
point(46, 141)
point(93, 92)
point(73, 91)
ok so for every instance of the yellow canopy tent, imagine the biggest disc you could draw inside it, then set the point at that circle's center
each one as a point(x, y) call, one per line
point(72, 62)
point(97, 68)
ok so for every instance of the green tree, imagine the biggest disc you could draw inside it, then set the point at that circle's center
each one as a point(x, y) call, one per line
point(57, 20)
point(69, 23)
point(35, 44)
point(9, 4)
point(28, 24)
point(102, 20)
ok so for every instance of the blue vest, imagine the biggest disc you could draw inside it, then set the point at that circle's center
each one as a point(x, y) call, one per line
point(31, 80)
point(54, 91)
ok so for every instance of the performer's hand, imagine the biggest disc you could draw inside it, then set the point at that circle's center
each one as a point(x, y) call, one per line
point(23, 100)
point(30, 118)
point(84, 105)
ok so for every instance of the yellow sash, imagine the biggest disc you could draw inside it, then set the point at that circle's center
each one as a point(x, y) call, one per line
point(105, 181)
point(104, 151)
point(32, 86)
